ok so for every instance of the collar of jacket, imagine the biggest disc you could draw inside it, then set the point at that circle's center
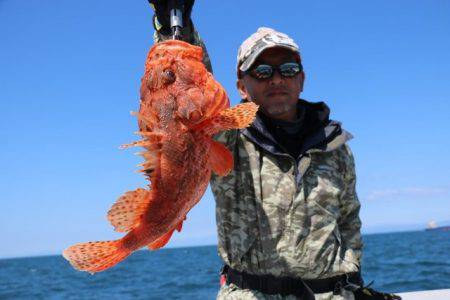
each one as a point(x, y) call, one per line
point(327, 137)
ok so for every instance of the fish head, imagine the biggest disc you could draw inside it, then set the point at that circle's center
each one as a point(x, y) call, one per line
point(175, 72)
point(172, 63)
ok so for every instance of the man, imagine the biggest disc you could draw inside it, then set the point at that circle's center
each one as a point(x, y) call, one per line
point(289, 207)
point(287, 214)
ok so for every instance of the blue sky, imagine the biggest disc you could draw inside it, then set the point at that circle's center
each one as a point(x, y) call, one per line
point(70, 74)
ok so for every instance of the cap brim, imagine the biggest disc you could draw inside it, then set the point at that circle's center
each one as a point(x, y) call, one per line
point(252, 58)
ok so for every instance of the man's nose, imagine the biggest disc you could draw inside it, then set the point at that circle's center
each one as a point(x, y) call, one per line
point(276, 78)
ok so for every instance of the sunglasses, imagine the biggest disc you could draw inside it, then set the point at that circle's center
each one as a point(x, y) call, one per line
point(264, 71)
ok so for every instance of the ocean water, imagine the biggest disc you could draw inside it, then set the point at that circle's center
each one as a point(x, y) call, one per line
point(397, 262)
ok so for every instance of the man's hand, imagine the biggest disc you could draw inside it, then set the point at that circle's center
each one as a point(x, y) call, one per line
point(161, 21)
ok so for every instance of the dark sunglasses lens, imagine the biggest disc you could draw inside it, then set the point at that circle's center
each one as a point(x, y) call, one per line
point(262, 72)
point(290, 69)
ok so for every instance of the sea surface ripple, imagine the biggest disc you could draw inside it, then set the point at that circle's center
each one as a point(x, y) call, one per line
point(396, 262)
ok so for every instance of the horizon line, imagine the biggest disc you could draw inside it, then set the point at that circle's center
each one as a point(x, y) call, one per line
point(194, 246)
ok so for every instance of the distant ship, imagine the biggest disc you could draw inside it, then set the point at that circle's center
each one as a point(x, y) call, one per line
point(432, 226)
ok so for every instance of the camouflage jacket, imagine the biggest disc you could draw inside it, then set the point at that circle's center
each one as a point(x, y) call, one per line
point(286, 216)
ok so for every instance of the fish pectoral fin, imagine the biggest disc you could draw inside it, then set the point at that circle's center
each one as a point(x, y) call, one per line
point(220, 159)
point(126, 213)
point(239, 116)
point(163, 240)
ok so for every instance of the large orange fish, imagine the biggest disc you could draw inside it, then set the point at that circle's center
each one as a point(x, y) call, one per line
point(181, 108)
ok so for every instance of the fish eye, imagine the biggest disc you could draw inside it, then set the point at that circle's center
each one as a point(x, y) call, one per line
point(168, 76)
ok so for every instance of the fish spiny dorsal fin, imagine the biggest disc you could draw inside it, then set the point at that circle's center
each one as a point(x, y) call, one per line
point(147, 121)
point(126, 213)
point(152, 143)
point(237, 117)
point(220, 159)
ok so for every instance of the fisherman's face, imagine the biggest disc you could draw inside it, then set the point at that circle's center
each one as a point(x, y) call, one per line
point(277, 96)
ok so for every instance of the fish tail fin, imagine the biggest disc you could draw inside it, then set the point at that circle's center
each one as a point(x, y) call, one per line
point(95, 257)
point(239, 116)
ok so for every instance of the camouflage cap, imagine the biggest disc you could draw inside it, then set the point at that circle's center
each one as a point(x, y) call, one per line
point(264, 38)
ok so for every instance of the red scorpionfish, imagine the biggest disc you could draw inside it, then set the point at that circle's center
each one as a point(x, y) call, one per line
point(181, 108)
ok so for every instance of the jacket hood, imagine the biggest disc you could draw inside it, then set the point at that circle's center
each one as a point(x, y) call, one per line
point(322, 134)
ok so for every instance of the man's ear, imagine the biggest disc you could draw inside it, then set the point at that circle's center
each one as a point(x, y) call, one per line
point(302, 81)
point(242, 89)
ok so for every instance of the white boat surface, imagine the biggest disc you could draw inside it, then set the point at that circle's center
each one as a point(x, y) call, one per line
point(443, 294)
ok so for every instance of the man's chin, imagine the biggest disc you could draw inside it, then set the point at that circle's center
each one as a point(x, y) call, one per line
point(278, 110)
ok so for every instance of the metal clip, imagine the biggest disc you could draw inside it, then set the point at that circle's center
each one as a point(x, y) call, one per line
point(350, 285)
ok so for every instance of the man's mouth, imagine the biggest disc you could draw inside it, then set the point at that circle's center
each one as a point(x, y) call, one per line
point(272, 93)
